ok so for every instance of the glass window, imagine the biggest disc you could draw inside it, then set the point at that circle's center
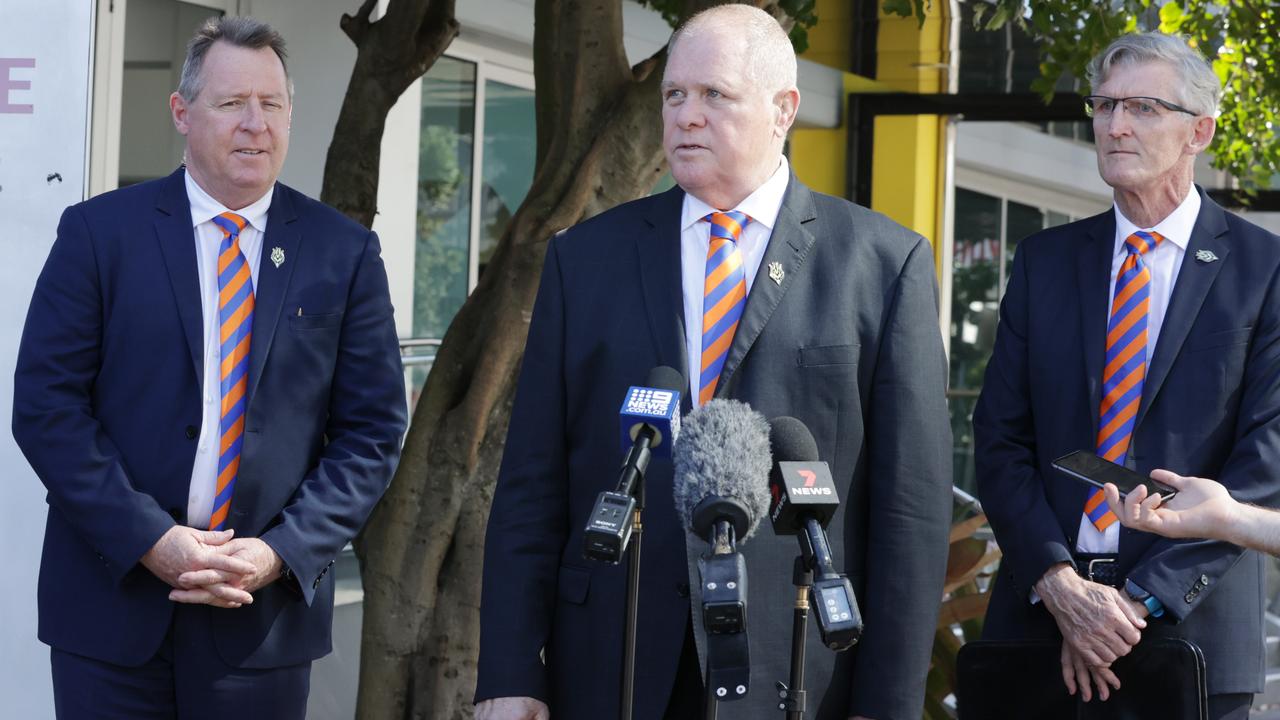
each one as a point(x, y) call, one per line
point(509, 155)
point(986, 232)
point(468, 191)
point(1021, 221)
point(975, 294)
point(443, 237)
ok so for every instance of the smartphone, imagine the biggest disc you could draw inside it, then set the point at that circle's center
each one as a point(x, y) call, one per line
point(1087, 466)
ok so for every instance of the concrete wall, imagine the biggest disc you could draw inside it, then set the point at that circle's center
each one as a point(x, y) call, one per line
point(44, 81)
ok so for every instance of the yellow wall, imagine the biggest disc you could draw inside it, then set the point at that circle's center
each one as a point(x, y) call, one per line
point(905, 171)
point(819, 155)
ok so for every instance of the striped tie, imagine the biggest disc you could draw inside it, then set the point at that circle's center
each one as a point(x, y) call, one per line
point(1126, 365)
point(723, 298)
point(235, 322)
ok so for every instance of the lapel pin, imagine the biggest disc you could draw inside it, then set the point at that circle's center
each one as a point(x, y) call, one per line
point(277, 256)
point(776, 272)
point(1205, 256)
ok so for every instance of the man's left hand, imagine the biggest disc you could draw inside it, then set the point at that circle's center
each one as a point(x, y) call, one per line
point(201, 586)
point(1083, 678)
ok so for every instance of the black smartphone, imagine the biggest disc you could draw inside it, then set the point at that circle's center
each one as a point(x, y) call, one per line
point(1087, 466)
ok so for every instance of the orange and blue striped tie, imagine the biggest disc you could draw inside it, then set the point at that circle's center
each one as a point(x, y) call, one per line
point(235, 323)
point(724, 296)
point(1126, 365)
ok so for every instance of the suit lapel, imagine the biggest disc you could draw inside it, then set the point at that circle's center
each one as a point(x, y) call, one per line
point(658, 255)
point(176, 236)
point(273, 281)
point(1093, 270)
point(1192, 285)
point(789, 244)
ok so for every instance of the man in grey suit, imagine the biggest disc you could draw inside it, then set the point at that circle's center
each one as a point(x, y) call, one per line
point(757, 289)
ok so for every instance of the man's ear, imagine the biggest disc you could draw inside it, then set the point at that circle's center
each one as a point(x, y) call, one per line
point(1204, 129)
point(787, 103)
point(178, 109)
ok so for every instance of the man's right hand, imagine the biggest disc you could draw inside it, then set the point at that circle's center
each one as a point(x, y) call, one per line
point(1097, 621)
point(513, 708)
point(184, 549)
point(1202, 508)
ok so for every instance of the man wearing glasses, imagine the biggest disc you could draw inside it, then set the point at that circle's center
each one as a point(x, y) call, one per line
point(1149, 334)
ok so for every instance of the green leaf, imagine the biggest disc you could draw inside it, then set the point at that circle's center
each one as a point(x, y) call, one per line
point(903, 8)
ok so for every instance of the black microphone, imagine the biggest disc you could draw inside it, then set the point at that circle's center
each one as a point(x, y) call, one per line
point(803, 500)
point(721, 493)
point(649, 421)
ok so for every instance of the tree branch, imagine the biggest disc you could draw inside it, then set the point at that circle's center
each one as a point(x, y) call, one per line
point(357, 27)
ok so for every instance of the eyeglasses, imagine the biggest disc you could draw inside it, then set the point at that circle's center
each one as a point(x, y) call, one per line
point(1140, 108)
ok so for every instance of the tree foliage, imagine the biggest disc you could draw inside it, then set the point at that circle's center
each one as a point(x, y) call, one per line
point(1240, 38)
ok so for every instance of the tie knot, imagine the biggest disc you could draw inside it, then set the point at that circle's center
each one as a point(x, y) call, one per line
point(1142, 242)
point(231, 224)
point(727, 225)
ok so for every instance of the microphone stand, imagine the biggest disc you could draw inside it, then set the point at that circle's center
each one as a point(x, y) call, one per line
point(793, 694)
point(633, 604)
point(632, 483)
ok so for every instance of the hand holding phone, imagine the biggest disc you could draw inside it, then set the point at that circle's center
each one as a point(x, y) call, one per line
point(1086, 466)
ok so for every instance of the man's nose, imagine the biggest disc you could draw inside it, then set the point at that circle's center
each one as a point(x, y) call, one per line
point(252, 117)
point(1119, 122)
point(690, 114)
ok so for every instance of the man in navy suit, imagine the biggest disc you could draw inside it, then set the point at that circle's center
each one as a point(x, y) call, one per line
point(1149, 334)
point(209, 386)
point(839, 328)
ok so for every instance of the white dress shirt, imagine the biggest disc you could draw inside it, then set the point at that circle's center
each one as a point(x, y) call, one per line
point(1164, 262)
point(208, 237)
point(762, 207)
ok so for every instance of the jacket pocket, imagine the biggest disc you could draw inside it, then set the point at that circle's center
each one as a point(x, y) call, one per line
point(315, 322)
point(820, 355)
point(1225, 338)
point(573, 584)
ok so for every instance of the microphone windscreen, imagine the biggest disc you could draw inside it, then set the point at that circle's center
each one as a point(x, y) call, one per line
point(665, 378)
point(791, 441)
point(723, 451)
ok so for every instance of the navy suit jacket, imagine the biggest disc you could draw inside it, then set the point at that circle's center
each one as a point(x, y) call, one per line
point(847, 341)
point(1210, 407)
point(107, 408)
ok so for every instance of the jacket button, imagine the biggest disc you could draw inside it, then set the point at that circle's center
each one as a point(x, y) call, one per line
point(192, 432)
point(1204, 579)
point(1189, 597)
point(682, 589)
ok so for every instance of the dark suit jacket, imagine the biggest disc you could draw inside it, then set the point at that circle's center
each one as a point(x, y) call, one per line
point(107, 408)
point(1210, 407)
point(848, 343)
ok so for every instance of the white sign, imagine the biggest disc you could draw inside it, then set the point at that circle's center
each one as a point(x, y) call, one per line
point(45, 58)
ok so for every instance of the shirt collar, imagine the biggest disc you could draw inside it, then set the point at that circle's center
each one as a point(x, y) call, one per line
point(762, 206)
point(204, 208)
point(1176, 227)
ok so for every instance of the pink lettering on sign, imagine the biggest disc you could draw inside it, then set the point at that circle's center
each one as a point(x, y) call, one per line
point(8, 85)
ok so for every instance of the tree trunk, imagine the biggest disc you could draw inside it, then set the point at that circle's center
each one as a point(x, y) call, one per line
point(599, 144)
point(391, 54)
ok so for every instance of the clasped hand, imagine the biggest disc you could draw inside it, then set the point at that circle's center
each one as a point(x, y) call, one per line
point(1098, 625)
point(213, 568)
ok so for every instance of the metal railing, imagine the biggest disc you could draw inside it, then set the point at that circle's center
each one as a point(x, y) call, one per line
point(411, 351)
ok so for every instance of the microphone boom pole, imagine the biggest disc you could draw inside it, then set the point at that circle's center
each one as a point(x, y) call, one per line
point(650, 418)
